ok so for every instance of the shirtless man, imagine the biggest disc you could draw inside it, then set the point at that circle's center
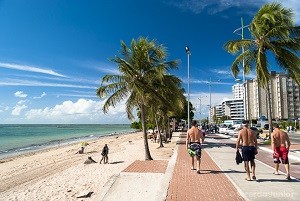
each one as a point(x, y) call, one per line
point(280, 143)
point(194, 139)
point(249, 149)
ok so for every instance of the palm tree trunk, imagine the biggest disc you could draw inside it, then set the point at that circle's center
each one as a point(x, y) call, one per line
point(160, 137)
point(147, 151)
point(269, 111)
point(168, 128)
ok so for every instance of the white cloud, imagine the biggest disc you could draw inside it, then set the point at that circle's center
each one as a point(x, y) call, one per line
point(217, 6)
point(17, 82)
point(20, 94)
point(41, 96)
point(29, 68)
point(21, 102)
point(18, 109)
point(216, 99)
point(82, 111)
point(3, 108)
point(212, 82)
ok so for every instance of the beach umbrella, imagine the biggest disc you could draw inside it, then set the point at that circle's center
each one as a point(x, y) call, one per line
point(83, 144)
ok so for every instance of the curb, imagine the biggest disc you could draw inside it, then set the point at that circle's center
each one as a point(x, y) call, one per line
point(162, 194)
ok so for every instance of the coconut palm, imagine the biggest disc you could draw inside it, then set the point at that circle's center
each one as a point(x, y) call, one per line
point(169, 87)
point(139, 65)
point(272, 33)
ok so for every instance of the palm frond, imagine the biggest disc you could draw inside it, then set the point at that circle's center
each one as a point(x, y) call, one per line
point(115, 98)
point(236, 46)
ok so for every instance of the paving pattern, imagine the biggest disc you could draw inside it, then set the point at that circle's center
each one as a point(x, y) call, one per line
point(211, 184)
point(152, 166)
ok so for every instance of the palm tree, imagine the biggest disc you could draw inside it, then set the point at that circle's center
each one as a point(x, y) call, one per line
point(170, 88)
point(272, 33)
point(139, 66)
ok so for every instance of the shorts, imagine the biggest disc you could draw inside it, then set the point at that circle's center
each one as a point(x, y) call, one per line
point(281, 154)
point(248, 153)
point(195, 149)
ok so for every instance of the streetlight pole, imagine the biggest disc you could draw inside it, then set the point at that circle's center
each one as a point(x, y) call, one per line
point(209, 90)
point(187, 50)
point(243, 63)
point(243, 50)
point(200, 107)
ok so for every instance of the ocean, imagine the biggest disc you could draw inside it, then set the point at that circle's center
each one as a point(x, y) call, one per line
point(16, 139)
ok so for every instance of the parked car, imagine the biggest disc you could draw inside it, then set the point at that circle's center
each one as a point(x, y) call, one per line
point(222, 129)
point(229, 131)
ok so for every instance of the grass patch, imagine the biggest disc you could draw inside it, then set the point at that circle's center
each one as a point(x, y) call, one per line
point(267, 142)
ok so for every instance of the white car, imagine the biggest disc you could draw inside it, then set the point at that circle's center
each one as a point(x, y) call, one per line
point(229, 131)
point(222, 130)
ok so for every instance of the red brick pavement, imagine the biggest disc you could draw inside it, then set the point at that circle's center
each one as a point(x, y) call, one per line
point(153, 166)
point(211, 184)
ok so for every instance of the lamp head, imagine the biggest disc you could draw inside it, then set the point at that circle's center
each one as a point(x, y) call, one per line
point(187, 49)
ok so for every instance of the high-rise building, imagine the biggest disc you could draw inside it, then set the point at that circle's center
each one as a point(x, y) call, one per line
point(238, 91)
point(284, 96)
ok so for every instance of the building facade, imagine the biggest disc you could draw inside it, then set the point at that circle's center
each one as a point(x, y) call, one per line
point(284, 96)
point(238, 91)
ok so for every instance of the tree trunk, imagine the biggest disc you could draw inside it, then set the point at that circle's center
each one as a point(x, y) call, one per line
point(147, 151)
point(269, 111)
point(160, 136)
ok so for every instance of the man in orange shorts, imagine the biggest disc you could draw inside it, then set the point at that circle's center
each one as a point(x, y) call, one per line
point(280, 145)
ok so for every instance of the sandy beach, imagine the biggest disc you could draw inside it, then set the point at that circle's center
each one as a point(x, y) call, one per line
point(60, 174)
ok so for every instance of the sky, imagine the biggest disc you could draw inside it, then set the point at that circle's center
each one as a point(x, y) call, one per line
point(54, 53)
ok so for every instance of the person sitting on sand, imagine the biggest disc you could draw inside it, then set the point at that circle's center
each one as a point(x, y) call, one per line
point(80, 151)
point(89, 161)
point(104, 154)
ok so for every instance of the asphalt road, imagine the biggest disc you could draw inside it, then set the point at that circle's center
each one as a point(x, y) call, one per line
point(294, 137)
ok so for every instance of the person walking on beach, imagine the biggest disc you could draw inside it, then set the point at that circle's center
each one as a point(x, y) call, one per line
point(104, 154)
point(249, 149)
point(194, 139)
point(155, 136)
point(280, 143)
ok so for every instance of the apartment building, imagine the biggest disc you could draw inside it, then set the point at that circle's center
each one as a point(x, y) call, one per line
point(234, 108)
point(238, 91)
point(284, 96)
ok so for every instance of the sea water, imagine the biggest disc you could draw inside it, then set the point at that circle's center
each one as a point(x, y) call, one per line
point(16, 139)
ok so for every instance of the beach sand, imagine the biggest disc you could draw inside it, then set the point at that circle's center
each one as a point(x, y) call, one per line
point(60, 174)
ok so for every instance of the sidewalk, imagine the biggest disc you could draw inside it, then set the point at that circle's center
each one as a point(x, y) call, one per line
point(220, 179)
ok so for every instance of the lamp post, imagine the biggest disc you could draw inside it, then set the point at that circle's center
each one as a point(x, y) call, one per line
point(209, 90)
point(200, 107)
point(187, 50)
point(243, 63)
point(243, 50)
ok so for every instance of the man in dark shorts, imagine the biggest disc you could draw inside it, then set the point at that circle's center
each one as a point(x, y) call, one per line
point(194, 139)
point(280, 143)
point(249, 149)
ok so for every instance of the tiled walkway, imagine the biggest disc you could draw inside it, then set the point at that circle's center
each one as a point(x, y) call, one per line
point(211, 184)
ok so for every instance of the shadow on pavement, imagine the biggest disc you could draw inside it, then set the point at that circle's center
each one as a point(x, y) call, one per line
point(276, 180)
point(222, 172)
